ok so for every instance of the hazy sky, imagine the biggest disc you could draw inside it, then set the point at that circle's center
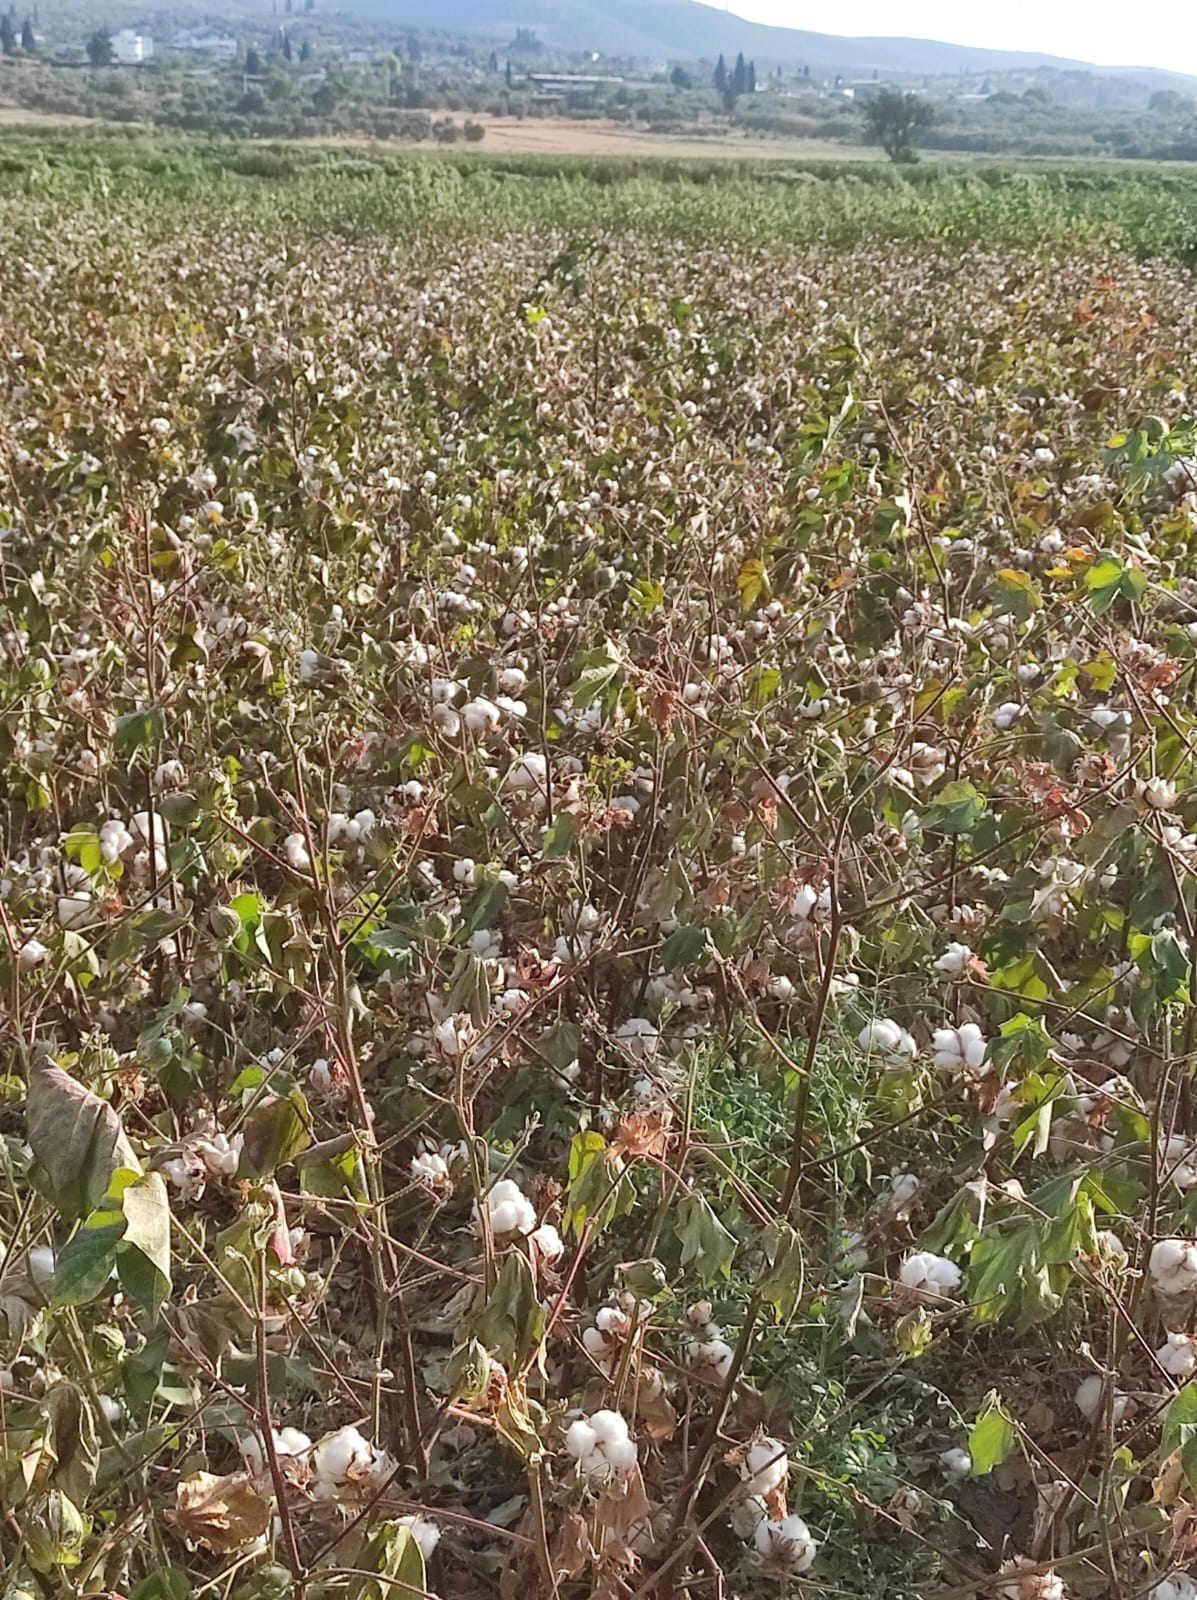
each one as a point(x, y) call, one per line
point(1086, 30)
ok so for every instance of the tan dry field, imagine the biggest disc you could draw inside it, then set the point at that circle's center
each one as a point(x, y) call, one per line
point(562, 136)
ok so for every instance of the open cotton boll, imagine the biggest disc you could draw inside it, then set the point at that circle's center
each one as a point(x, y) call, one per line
point(608, 1426)
point(638, 1036)
point(883, 1037)
point(1178, 1355)
point(31, 954)
point(959, 1049)
point(1090, 1399)
point(784, 1544)
point(528, 772)
point(580, 1439)
point(295, 853)
point(1176, 1586)
point(431, 1169)
point(481, 716)
point(955, 960)
point(339, 1453)
point(1178, 1161)
point(957, 1463)
point(508, 1208)
point(709, 1359)
point(549, 1244)
point(929, 1274)
point(40, 1264)
point(1025, 1583)
point(1173, 1266)
point(1006, 715)
point(424, 1531)
point(765, 1467)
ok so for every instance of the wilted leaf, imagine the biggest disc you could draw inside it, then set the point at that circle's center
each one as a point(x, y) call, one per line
point(221, 1514)
point(77, 1138)
point(707, 1245)
point(276, 1130)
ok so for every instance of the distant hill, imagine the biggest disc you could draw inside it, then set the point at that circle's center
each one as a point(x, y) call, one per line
point(686, 30)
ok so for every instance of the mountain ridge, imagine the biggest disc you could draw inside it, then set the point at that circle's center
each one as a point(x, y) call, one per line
point(687, 30)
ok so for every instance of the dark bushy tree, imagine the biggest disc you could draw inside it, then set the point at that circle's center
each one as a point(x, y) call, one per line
point(28, 42)
point(99, 48)
point(894, 120)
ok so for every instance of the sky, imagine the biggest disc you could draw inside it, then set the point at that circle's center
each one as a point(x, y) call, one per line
point(1084, 30)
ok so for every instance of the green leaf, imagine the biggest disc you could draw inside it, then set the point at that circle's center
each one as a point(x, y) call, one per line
point(76, 1137)
point(168, 1583)
point(393, 1553)
point(87, 1260)
point(138, 731)
point(684, 946)
point(561, 837)
point(707, 1245)
point(1179, 1420)
point(82, 845)
point(599, 677)
point(992, 1437)
point(956, 809)
point(591, 1180)
point(512, 1319)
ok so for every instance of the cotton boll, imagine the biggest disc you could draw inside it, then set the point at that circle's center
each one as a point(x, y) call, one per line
point(112, 1409)
point(929, 1274)
point(709, 1359)
point(1176, 1586)
point(784, 1544)
point(1178, 1161)
point(548, 1242)
point(292, 1442)
point(639, 1037)
point(1005, 716)
point(295, 853)
point(886, 1039)
point(430, 1169)
point(529, 772)
point(1159, 794)
point(73, 910)
point(40, 1263)
point(622, 1454)
point(31, 954)
point(340, 1452)
point(608, 1426)
point(580, 1439)
point(1178, 1355)
point(955, 961)
point(445, 720)
point(512, 680)
point(320, 1076)
point(957, 1463)
point(766, 1466)
point(1027, 1583)
point(1090, 1399)
point(1173, 1266)
point(509, 1209)
point(481, 716)
point(424, 1531)
point(959, 1049)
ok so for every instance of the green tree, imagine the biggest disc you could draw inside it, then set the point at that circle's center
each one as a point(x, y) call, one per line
point(99, 48)
point(894, 120)
point(720, 78)
point(253, 63)
point(681, 79)
point(8, 36)
point(305, 50)
point(288, 53)
point(28, 41)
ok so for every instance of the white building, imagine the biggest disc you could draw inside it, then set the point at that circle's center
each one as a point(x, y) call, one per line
point(212, 44)
point(129, 48)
